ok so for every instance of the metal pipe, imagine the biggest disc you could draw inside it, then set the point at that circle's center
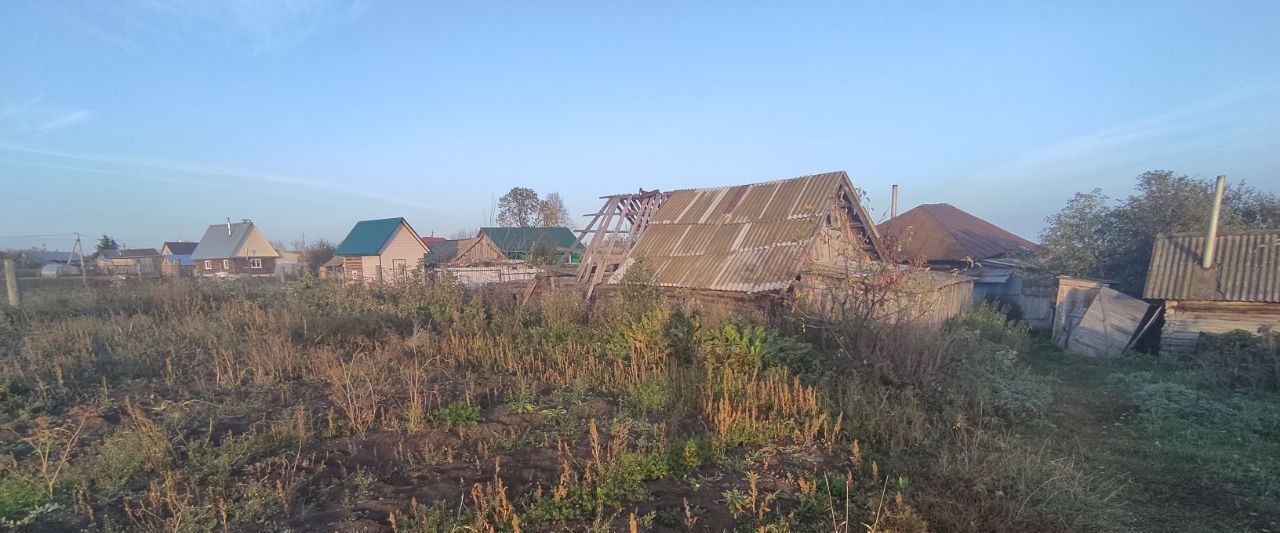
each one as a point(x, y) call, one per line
point(893, 204)
point(1211, 240)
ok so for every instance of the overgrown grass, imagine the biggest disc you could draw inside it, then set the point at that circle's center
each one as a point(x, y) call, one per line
point(422, 406)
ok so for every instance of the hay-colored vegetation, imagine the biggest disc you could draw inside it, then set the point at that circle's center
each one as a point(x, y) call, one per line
point(184, 406)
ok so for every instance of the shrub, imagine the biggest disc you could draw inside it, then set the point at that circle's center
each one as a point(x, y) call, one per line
point(457, 415)
point(1241, 359)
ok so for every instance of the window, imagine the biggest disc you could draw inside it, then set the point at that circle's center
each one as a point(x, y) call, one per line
point(226, 264)
point(255, 263)
point(208, 265)
point(399, 267)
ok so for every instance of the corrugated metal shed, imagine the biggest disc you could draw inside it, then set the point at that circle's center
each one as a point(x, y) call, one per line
point(1246, 267)
point(747, 238)
point(945, 233)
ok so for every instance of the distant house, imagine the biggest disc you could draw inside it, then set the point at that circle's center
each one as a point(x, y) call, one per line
point(381, 249)
point(238, 249)
point(176, 257)
point(132, 262)
point(443, 252)
point(944, 235)
point(47, 257)
point(433, 240)
point(1239, 290)
point(947, 238)
point(332, 269)
point(525, 244)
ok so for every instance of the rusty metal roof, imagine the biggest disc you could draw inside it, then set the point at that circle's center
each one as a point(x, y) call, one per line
point(945, 233)
point(746, 238)
point(1246, 267)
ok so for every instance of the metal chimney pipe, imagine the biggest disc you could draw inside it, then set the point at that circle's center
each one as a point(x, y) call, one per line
point(228, 226)
point(1211, 240)
point(893, 205)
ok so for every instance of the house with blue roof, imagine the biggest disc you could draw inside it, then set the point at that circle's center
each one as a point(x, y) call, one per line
point(377, 250)
point(176, 258)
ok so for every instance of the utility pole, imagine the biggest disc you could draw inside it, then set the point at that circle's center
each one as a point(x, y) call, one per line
point(11, 282)
point(79, 248)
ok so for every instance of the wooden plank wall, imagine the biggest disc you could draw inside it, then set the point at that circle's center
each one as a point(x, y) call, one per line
point(1185, 321)
point(1109, 324)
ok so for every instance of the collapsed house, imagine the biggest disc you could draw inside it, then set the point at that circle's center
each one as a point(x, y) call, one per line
point(803, 237)
point(500, 255)
point(947, 238)
point(1237, 289)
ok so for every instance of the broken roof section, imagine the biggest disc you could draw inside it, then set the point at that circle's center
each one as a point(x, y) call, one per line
point(1246, 267)
point(945, 233)
point(748, 238)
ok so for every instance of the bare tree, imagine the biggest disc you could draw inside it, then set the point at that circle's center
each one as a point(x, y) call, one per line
point(553, 213)
point(464, 233)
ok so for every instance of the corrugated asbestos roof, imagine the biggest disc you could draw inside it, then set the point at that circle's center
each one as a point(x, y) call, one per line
point(511, 240)
point(943, 232)
point(747, 238)
point(218, 243)
point(442, 252)
point(368, 237)
point(1246, 267)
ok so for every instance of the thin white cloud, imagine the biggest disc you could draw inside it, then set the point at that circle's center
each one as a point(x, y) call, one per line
point(255, 26)
point(214, 175)
point(1153, 137)
point(13, 109)
point(64, 120)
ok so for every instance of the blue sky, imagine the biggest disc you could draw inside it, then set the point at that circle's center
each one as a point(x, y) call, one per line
point(150, 120)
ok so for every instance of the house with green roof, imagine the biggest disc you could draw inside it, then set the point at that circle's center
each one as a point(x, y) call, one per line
point(381, 249)
point(522, 244)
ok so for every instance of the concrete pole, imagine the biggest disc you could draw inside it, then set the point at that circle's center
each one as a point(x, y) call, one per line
point(893, 205)
point(1211, 240)
point(11, 282)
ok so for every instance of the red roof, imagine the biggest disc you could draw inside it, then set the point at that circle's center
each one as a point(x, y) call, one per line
point(432, 240)
point(944, 233)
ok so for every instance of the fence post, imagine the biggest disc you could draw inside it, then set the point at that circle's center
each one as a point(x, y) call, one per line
point(11, 282)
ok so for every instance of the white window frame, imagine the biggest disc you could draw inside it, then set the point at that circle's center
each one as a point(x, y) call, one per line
point(226, 264)
point(255, 263)
point(208, 264)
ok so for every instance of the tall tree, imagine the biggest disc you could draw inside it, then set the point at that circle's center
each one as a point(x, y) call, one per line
point(319, 252)
point(518, 208)
point(553, 213)
point(1075, 239)
point(107, 243)
point(1093, 238)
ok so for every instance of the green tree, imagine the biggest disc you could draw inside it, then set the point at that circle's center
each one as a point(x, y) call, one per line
point(107, 243)
point(1075, 239)
point(518, 208)
point(1091, 237)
